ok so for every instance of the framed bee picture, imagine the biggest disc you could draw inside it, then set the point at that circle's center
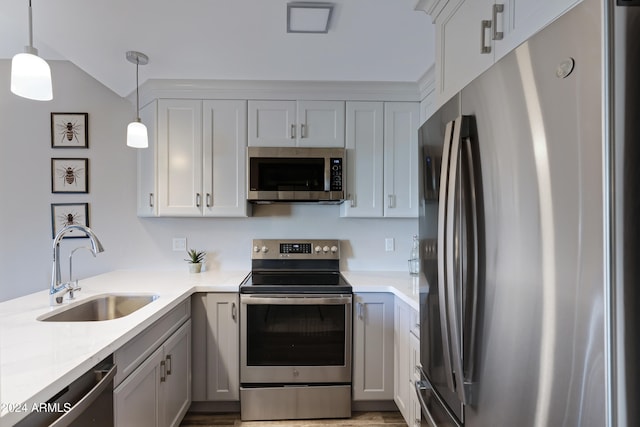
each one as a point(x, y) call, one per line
point(63, 214)
point(70, 130)
point(69, 175)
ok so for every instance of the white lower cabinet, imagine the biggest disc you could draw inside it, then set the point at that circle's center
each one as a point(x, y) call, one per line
point(373, 347)
point(158, 392)
point(414, 349)
point(216, 347)
point(407, 358)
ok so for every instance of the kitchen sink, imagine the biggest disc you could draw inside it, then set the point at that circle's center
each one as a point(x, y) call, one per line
point(99, 308)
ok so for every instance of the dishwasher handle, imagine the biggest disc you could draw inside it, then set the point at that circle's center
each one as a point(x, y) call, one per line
point(77, 409)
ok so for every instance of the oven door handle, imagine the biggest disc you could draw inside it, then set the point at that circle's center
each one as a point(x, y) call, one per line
point(295, 299)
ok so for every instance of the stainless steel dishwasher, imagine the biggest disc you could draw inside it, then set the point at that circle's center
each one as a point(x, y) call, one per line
point(88, 401)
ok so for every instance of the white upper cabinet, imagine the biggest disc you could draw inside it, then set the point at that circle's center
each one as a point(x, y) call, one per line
point(179, 157)
point(382, 162)
point(365, 152)
point(296, 123)
point(473, 34)
point(197, 164)
point(523, 18)
point(147, 172)
point(459, 38)
point(401, 122)
point(224, 152)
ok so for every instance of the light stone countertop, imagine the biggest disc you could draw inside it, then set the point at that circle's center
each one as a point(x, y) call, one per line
point(38, 359)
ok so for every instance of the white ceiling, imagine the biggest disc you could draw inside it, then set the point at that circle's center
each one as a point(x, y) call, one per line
point(368, 40)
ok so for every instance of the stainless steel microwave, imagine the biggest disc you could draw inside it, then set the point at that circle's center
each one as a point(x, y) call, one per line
point(289, 174)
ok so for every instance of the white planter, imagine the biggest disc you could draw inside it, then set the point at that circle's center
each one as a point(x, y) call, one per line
point(195, 267)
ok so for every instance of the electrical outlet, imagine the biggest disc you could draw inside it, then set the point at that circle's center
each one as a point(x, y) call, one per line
point(389, 244)
point(179, 244)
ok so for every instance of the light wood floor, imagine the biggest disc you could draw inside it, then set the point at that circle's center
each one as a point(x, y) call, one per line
point(369, 419)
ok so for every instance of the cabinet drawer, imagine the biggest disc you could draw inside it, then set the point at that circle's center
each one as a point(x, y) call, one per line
point(133, 353)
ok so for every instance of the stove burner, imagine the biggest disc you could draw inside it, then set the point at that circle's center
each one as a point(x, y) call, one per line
point(296, 282)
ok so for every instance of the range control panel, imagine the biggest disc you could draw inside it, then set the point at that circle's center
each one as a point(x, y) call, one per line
point(295, 249)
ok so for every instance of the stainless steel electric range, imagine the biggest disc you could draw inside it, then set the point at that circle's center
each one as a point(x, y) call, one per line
point(295, 339)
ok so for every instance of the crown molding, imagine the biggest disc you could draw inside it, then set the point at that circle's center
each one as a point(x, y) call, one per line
point(286, 90)
point(431, 7)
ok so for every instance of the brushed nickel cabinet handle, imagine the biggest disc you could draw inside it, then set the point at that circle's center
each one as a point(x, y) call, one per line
point(484, 49)
point(150, 200)
point(163, 372)
point(497, 8)
point(293, 131)
point(168, 364)
point(208, 200)
point(197, 200)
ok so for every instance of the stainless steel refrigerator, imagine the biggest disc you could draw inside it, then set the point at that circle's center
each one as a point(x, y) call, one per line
point(529, 179)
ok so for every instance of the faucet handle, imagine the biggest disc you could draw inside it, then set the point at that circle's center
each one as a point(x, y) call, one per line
point(73, 286)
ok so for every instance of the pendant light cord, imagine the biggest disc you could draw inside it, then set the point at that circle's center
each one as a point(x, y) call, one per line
point(137, 93)
point(30, 26)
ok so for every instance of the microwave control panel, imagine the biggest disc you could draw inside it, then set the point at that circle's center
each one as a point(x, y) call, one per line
point(336, 174)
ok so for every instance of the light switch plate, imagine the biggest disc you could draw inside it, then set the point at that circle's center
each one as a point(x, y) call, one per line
point(179, 244)
point(389, 244)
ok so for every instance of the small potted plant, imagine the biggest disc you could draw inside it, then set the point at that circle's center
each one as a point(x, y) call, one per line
point(195, 260)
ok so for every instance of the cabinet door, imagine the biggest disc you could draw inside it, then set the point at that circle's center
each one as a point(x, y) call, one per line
point(402, 377)
point(137, 399)
point(180, 157)
point(523, 18)
point(414, 353)
point(365, 152)
point(401, 122)
point(177, 384)
point(224, 154)
point(459, 36)
point(147, 173)
point(373, 346)
point(272, 124)
point(223, 347)
point(320, 123)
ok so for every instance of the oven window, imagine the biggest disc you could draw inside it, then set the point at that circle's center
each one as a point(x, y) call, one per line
point(300, 335)
point(286, 174)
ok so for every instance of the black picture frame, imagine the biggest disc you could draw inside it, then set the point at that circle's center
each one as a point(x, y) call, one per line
point(63, 214)
point(69, 130)
point(69, 175)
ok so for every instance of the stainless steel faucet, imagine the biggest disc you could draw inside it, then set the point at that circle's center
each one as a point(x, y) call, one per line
point(59, 289)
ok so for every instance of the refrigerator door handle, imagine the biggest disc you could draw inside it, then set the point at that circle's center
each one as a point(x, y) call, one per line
point(454, 314)
point(472, 285)
point(443, 250)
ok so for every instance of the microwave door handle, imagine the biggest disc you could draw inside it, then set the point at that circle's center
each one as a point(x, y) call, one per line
point(442, 250)
point(454, 252)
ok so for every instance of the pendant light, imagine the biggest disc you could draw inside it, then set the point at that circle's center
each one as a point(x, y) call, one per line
point(137, 131)
point(30, 74)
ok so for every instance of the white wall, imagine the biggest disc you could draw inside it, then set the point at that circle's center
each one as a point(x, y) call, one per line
point(131, 242)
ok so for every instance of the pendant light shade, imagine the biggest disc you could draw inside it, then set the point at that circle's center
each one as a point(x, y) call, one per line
point(137, 136)
point(30, 74)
